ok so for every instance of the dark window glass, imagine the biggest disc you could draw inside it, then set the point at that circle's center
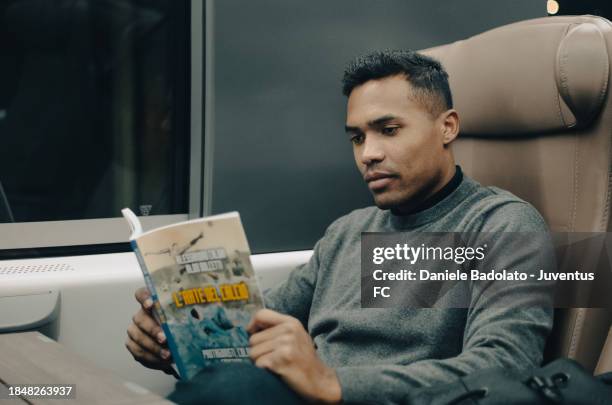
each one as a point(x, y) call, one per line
point(93, 110)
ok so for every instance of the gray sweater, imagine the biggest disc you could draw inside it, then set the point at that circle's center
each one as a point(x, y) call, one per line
point(381, 354)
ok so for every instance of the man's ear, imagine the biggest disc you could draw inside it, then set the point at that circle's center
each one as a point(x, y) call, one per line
point(449, 124)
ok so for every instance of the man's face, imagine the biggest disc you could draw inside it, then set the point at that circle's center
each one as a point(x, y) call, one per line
point(398, 146)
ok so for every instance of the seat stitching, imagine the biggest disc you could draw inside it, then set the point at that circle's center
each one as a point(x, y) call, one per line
point(604, 86)
point(603, 226)
point(606, 214)
point(576, 185)
point(578, 324)
point(562, 78)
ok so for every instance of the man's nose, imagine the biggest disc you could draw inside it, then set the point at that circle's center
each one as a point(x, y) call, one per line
point(372, 151)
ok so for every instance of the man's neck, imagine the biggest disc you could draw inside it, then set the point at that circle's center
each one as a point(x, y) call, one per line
point(436, 197)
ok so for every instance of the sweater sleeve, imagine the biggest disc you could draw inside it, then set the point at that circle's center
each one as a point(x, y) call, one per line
point(509, 338)
point(511, 335)
point(294, 295)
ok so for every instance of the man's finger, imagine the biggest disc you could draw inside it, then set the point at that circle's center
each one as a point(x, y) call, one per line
point(264, 347)
point(149, 325)
point(143, 296)
point(266, 318)
point(144, 357)
point(145, 342)
point(267, 334)
point(267, 361)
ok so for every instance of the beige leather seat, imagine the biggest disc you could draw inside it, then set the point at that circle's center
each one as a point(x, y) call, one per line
point(536, 119)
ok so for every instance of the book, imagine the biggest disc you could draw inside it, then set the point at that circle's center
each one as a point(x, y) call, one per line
point(203, 287)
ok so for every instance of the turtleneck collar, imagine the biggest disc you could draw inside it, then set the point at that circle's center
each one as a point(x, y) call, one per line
point(438, 204)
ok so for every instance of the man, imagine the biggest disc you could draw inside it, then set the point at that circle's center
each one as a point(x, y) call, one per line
point(315, 336)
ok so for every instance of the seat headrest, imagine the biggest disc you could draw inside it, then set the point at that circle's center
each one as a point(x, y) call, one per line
point(527, 78)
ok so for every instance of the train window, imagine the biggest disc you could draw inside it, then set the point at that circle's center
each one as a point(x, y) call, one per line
point(94, 111)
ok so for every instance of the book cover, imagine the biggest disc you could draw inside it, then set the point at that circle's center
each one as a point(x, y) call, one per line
point(203, 287)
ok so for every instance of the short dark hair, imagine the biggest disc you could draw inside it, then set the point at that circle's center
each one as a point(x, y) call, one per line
point(426, 75)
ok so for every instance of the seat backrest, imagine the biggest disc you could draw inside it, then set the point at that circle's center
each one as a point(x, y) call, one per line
point(536, 119)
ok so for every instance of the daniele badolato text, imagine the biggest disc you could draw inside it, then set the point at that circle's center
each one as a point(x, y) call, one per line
point(438, 259)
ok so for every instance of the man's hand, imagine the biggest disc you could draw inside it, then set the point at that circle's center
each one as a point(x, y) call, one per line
point(280, 344)
point(146, 340)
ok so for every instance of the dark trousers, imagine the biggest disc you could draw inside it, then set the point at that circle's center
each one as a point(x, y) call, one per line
point(234, 383)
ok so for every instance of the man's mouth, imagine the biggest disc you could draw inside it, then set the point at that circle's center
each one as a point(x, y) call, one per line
point(378, 180)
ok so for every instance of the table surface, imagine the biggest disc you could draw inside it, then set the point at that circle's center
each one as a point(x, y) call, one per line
point(32, 358)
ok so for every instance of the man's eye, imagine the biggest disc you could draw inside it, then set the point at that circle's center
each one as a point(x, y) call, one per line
point(357, 139)
point(389, 130)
